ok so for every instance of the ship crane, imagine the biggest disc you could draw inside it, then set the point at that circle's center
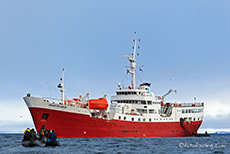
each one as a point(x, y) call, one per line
point(83, 99)
point(163, 97)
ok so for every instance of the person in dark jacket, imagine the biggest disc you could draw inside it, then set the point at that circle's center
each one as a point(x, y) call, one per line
point(52, 137)
point(47, 133)
point(33, 135)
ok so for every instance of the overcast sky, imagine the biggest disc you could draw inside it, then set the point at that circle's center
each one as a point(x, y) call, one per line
point(184, 46)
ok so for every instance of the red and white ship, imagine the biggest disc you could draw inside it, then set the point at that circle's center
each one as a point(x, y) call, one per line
point(134, 112)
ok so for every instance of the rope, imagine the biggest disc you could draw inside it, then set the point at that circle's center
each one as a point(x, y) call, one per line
point(124, 78)
point(138, 76)
point(49, 89)
point(45, 83)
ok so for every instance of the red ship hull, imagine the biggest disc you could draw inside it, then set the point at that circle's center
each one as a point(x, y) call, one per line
point(68, 124)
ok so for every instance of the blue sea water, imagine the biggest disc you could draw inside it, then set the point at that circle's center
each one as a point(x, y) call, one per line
point(11, 143)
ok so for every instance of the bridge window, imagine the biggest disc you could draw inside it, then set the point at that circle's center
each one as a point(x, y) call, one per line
point(143, 102)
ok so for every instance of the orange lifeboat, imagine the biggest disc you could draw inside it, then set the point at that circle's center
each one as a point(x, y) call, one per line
point(98, 104)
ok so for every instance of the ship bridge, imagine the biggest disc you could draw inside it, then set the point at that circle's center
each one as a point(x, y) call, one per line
point(141, 93)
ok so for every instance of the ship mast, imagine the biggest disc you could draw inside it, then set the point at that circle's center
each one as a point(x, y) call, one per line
point(61, 85)
point(63, 89)
point(132, 60)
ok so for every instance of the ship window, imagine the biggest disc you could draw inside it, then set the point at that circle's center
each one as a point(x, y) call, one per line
point(192, 110)
point(132, 110)
point(189, 111)
point(198, 110)
point(45, 116)
point(195, 110)
point(149, 102)
point(182, 110)
point(149, 120)
point(132, 119)
point(125, 93)
point(142, 110)
point(151, 111)
point(119, 117)
point(139, 119)
point(143, 102)
point(186, 111)
point(194, 119)
point(135, 93)
point(124, 118)
point(144, 119)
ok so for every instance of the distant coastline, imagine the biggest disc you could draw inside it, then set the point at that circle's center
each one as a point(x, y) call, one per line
point(9, 132)
point(220, 133)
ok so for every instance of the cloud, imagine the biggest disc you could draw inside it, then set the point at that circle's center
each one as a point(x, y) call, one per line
point(218, 121)
point(14, 111)
point(15, 126)
point(217, 106)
